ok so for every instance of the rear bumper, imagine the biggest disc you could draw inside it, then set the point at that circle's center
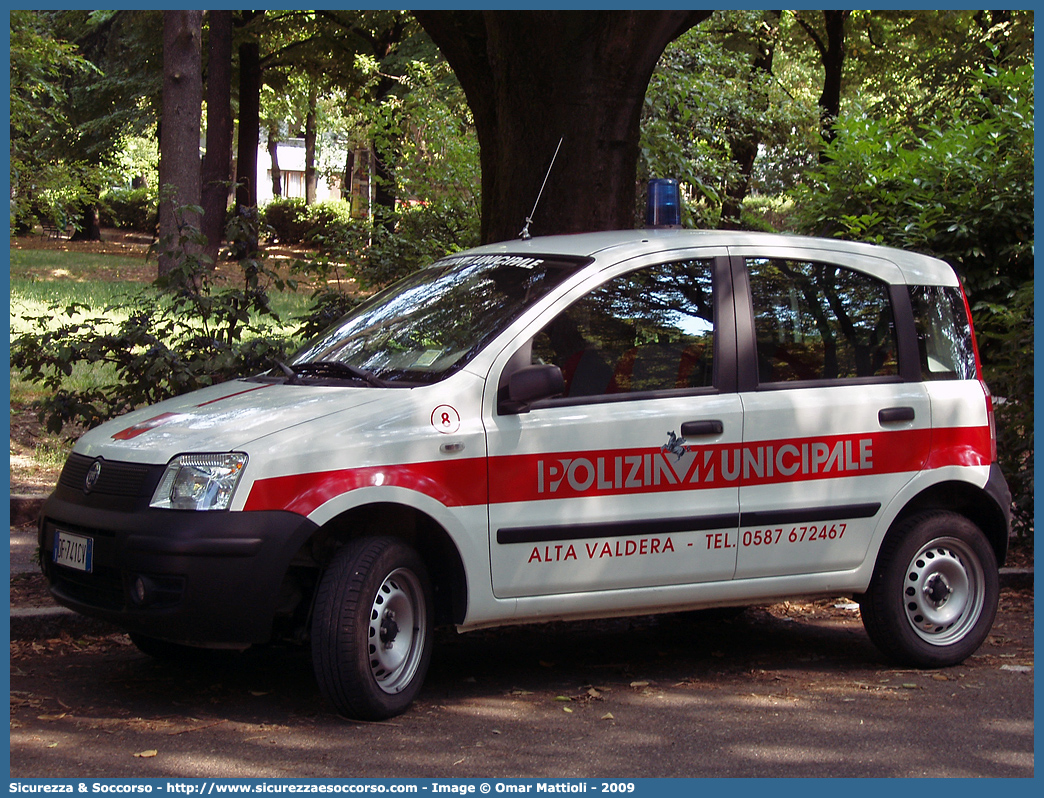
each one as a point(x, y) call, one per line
point(208, 578)
point(998, 490)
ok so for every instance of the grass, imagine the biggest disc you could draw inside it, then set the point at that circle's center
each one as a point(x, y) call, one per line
point(77, 267)
point(35, 295)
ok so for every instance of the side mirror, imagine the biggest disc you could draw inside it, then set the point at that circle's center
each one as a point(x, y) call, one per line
point(530, 384)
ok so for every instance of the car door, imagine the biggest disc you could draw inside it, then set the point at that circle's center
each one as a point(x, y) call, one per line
point(835, 421)
point(617, 483)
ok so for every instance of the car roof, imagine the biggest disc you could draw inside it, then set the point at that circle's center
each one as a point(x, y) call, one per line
point(891, 264)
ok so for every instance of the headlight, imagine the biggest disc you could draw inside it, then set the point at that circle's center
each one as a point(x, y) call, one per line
point(199, 482)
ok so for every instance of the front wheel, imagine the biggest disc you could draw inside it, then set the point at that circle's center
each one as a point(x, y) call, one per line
point(933, 595)
point(372, 628)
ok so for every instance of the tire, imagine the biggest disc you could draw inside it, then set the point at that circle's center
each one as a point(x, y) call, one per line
point(372, 629)
point(933, 595)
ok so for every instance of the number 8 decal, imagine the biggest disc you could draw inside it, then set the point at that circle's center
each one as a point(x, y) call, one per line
point(445, 419)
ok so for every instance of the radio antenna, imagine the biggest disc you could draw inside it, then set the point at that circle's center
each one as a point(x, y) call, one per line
point(524, 235)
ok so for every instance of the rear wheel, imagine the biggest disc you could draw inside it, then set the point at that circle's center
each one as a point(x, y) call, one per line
point(372, 628)
point(933, 596)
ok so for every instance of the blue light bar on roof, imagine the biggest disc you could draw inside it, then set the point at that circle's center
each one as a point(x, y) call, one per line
point(663, 206)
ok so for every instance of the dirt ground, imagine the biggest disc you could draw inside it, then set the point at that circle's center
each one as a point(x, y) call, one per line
point(28, 475)
point(789, 690)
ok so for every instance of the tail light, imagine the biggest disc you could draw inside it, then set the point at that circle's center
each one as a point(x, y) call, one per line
point(993, 423)
point(978, 373)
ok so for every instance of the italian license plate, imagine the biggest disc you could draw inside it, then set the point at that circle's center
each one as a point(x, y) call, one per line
point(73, 551)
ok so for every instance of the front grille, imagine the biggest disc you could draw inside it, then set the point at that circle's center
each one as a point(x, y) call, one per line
point(103, 588)
point(115, 479)
point(77, 529)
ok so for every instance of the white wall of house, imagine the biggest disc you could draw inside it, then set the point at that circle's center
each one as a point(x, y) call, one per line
point(291, 155)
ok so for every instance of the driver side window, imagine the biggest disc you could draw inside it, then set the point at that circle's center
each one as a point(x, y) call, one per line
point(645, 331)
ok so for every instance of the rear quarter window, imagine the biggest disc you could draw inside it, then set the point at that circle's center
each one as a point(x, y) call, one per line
point(944, 335)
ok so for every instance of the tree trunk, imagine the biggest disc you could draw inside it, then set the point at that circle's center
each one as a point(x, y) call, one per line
point(249, 116)
point(179, 139)
point(745, 147)
point(88, 228)
point(273, 154)
point(833, 66)
point(217, 163)
point(534, 77)
point(310, 176)
point(832, 56)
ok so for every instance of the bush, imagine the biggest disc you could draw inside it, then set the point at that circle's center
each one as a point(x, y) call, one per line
point(285, 220)
point(290, 221)
point(373, 256)
point(1010, 338)
point(129, 209)
point(328, 223)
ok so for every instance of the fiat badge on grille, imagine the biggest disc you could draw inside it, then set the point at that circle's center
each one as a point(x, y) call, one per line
point(92, 476)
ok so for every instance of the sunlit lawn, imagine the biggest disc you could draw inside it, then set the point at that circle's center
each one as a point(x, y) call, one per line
point(44, 283)
point(45, 280)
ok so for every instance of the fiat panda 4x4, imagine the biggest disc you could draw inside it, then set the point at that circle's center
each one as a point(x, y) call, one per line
point(561, 428)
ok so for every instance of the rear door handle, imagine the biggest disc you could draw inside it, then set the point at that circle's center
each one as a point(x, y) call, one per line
point(893, 415)
point(709, 427)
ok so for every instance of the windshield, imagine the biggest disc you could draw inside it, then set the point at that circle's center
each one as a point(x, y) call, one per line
point(429, 325)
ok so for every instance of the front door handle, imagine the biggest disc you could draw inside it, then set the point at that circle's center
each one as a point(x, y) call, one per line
point(893, 415)
point(710, 427)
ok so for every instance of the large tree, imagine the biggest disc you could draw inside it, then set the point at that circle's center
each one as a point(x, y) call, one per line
point(830, 44)
point(249, 108)
point(217, 164)
point(533, 78)
point(179, 130)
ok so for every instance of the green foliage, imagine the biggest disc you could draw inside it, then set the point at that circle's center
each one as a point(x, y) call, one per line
point(43, 188)
point(961, 188)
point(427, 137)
point(368, 257)
point(930, 59)
point(79, 83)
point(284, 219)
point(427, 130)
point(421, 235)
point(327, 221)
point(1009, 337)
point(289, 221)
point(334, 294)
point(184, 334)
point(707, 101)
point(129, 209)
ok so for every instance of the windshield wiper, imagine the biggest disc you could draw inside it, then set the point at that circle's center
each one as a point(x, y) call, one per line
point(330, 368)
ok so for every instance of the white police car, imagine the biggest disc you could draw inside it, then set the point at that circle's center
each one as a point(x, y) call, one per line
point(569, 427)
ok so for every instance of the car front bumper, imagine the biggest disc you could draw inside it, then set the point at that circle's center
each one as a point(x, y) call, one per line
point(203, 578)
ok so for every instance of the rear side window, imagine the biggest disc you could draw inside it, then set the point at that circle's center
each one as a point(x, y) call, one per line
point(819, 321)
point(645, 331)
point(944, 336)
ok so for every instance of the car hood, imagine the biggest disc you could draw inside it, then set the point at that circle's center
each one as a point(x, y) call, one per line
point(221, 418)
